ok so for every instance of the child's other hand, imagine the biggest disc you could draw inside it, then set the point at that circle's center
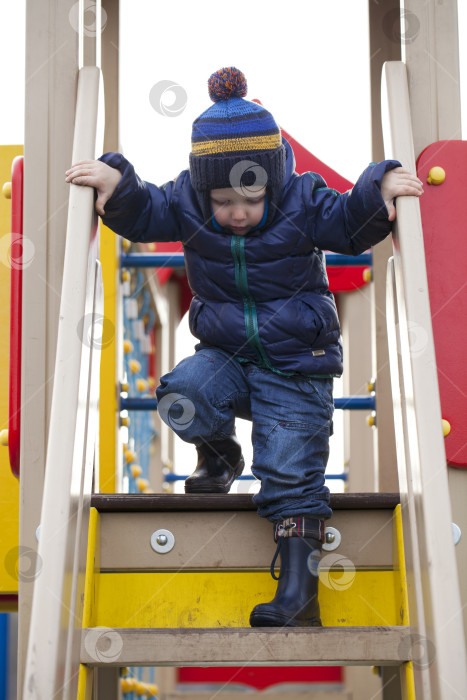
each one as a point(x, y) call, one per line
point(95, 173)
point(397, 183)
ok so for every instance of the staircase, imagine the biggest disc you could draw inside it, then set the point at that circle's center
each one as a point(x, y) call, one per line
point(191, 604)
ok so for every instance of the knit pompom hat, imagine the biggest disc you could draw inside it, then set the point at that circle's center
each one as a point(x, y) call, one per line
point(235, 143)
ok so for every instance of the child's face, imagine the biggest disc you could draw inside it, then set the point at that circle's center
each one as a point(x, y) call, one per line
point(237, 212)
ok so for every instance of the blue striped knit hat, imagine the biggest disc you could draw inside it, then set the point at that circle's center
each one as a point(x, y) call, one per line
point(235, 143)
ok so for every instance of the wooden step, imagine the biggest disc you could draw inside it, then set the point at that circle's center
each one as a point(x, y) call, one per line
point(325, 646)
point(233, 538)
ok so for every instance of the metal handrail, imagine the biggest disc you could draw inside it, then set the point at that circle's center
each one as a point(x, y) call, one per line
point(55, 629)
point(434, 600)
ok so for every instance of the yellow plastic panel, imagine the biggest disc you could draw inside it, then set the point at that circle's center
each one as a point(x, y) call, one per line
point(225, 599)
point(85, 682)
point(9, 487)
point(86, 673)
point(400, 580)
point(108, 419)
point(92, 567)
point(399, 565)
point(409, 686)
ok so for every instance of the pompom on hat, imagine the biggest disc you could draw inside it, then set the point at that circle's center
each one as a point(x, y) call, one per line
point(235, 143)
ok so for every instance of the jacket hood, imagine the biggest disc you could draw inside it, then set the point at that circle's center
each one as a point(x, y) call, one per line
point(289, 163)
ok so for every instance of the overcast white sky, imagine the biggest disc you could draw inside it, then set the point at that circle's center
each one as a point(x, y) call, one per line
point(295, 61)
point(306, 61)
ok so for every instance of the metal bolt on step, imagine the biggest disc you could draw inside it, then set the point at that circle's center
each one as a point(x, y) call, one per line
point(332, 539)
point(162, 541)
point(456, 533)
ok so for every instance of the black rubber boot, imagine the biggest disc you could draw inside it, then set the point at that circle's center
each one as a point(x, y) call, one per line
point(296, 601)
point(219, 464)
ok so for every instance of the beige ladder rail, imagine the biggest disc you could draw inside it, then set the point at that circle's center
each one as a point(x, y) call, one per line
point(55, 630)
point(434, 599)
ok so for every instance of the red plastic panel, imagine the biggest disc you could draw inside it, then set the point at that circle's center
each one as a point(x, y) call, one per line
point(16, 277)
point(165, 273)
point(444, 232)
point(261, 677)
point(306, 161)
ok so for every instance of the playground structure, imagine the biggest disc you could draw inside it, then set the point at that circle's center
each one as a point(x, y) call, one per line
point(104, 590)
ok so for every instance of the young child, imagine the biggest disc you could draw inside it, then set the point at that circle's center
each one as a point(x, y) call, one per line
point(253, 232)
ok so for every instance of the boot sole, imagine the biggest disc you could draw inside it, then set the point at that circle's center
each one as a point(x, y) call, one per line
point(216, 488)
point(265, 620)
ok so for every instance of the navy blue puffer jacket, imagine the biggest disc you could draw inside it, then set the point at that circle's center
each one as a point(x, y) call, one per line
point(262, 297)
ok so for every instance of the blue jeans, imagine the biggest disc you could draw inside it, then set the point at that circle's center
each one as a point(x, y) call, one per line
point(291, 416)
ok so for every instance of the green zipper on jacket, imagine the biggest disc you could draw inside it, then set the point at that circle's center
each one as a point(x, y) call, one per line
point(249, 307)
point(237, 246)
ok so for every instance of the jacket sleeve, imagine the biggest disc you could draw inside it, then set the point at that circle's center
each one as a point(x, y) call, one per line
point(352, 222)
point(139, 210)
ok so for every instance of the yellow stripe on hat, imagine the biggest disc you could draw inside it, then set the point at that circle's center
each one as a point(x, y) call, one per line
point(250, 143)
